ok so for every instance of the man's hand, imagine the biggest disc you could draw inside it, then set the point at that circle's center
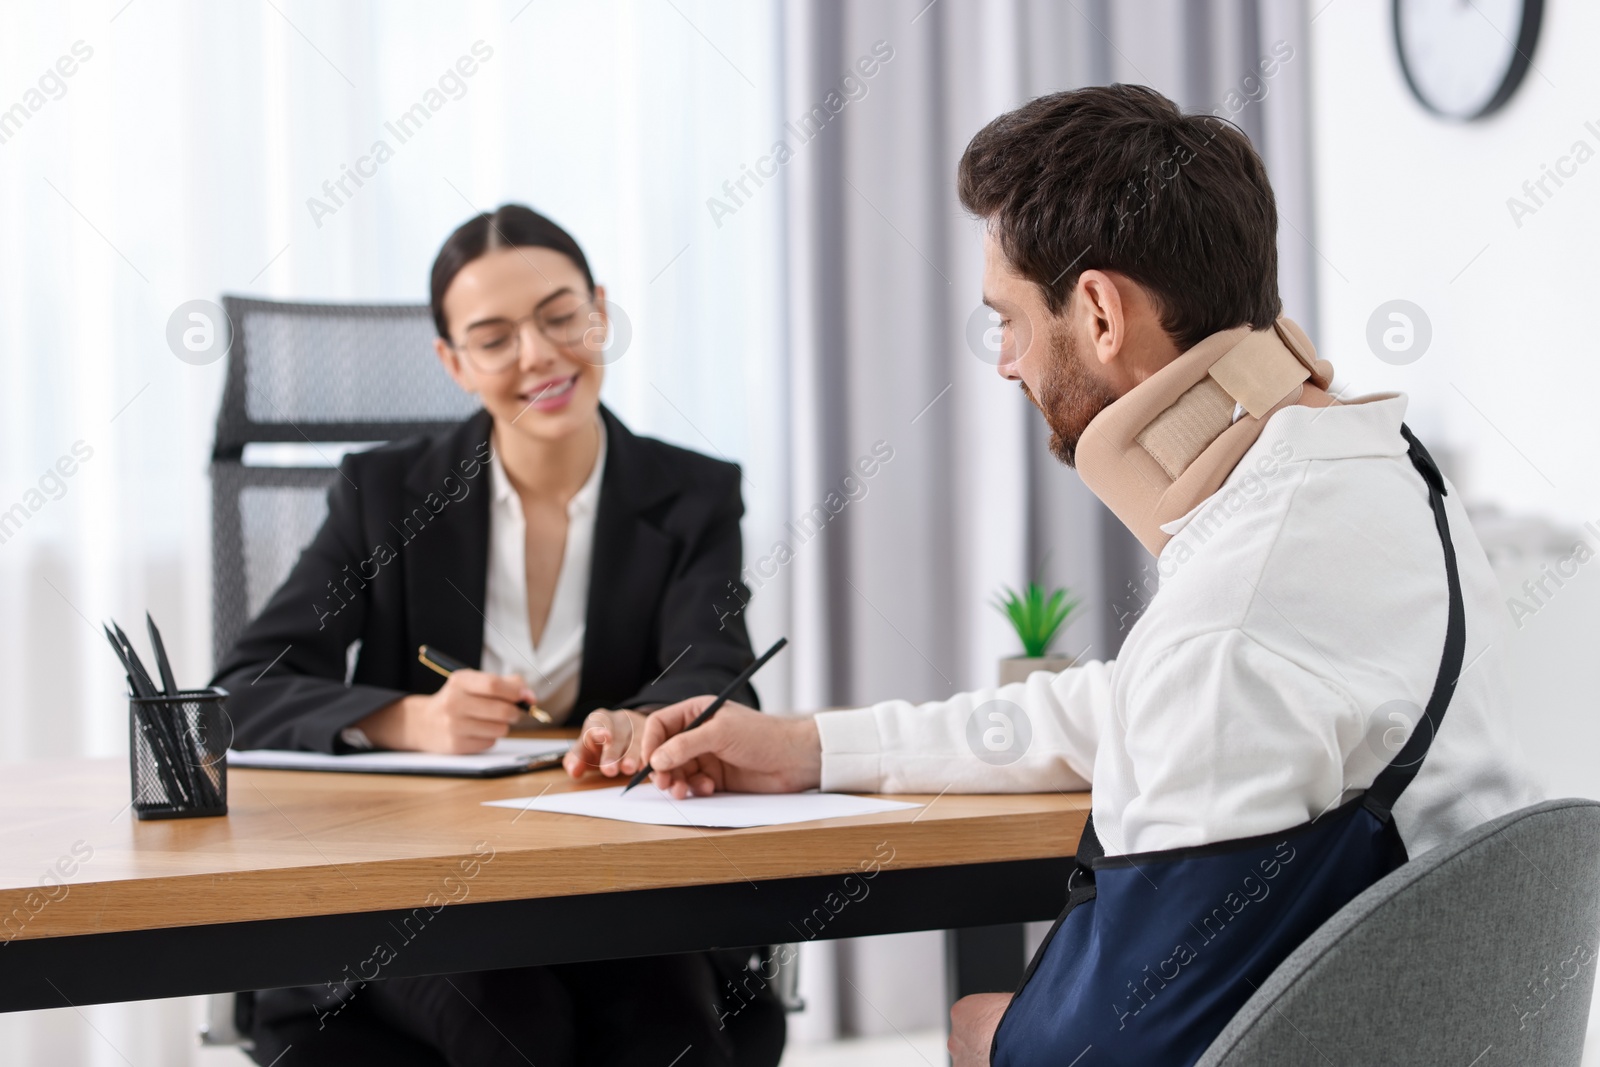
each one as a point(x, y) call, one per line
point(610, 743)
point(740, 750)
point(972, 1023)
point(470, 712)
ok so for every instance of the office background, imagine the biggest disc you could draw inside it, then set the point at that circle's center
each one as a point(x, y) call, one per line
point(793, 320)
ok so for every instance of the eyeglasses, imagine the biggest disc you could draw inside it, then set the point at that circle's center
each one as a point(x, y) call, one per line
point(569, 324)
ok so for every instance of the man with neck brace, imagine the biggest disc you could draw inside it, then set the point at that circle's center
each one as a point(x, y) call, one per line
point(1321, 587)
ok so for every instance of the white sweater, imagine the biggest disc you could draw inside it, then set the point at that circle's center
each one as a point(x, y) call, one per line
point(1294, 639)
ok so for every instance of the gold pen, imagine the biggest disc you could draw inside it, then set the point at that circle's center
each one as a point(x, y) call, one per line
point(440, 663)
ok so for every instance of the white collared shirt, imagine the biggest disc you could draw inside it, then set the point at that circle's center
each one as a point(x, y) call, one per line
point(551, 668)
point(1295, 636)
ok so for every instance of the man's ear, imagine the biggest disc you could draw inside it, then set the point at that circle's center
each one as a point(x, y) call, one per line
point(451, 360)
point(1099, 314)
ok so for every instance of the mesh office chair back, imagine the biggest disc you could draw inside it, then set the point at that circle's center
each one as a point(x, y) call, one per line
point(312, 377)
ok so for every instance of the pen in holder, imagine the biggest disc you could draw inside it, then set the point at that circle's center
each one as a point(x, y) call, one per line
point(177, 754)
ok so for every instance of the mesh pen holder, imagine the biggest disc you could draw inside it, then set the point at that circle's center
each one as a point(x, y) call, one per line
point(177, 754)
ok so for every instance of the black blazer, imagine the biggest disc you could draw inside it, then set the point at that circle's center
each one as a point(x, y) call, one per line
point(402, 560)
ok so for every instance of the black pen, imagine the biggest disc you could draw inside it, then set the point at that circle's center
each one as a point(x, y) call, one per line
point(194, 758)
point(711, 709)
point(441, 663)
point(169, 684)
point(130, 658)
point(116, 646)
point(138, 684)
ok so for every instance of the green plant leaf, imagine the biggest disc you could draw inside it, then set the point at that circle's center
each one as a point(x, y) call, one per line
point(1036, 615)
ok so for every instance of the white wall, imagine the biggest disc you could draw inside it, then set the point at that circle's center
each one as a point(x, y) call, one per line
point(1415, 208)
point(1405, 203)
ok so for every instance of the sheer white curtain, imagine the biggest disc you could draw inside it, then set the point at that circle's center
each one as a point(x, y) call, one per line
point(178, 160)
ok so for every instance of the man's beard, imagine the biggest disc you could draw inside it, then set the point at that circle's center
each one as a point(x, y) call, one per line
point(1069, 396)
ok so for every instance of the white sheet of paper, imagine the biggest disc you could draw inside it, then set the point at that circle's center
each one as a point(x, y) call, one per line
point(647, 804)
point(504, 752)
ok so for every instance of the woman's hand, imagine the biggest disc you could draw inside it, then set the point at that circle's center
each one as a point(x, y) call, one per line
point(972, 1024)
point(610, 742)
point(740, 750)
point(470, 712)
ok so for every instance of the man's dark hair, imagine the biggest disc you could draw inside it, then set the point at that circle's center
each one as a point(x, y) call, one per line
point(511, 226)
point(1116, 177)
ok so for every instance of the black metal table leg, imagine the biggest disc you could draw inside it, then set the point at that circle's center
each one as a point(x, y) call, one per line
point(984, 959)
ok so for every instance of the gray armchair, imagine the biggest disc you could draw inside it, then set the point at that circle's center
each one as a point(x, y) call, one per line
point(1480, 952)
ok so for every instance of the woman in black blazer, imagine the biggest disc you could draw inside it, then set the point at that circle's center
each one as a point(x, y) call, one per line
point(415, 530)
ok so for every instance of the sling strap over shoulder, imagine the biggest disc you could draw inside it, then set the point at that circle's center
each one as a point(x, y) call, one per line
point(1385, 790)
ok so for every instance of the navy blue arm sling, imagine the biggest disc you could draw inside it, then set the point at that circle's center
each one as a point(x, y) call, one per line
point(1157, 951)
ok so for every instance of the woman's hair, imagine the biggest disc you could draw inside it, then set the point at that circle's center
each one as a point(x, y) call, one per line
point(511, 226)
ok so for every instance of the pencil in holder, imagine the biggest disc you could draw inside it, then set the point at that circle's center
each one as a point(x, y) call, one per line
point(177, 754)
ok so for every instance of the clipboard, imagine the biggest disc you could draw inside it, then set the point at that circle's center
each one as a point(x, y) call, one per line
point(508, 756)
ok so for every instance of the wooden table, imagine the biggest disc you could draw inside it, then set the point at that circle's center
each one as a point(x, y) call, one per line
point(315, 878)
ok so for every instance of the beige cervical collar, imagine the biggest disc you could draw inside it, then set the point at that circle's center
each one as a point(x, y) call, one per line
point(1172, 440)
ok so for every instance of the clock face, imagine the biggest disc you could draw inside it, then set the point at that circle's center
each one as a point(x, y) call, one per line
point(1464, 58)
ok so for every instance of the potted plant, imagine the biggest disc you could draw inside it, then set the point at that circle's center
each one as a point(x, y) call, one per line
point(1038, 617)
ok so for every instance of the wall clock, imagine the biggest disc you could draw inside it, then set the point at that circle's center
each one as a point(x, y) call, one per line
point(1464, 58)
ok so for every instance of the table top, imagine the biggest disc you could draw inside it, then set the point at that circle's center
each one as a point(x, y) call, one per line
point(74, 860)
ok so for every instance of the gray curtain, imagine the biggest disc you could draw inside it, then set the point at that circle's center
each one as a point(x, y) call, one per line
point(884, 269)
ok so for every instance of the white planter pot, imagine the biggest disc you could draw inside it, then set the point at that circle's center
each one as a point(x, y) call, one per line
point(1017, 668)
